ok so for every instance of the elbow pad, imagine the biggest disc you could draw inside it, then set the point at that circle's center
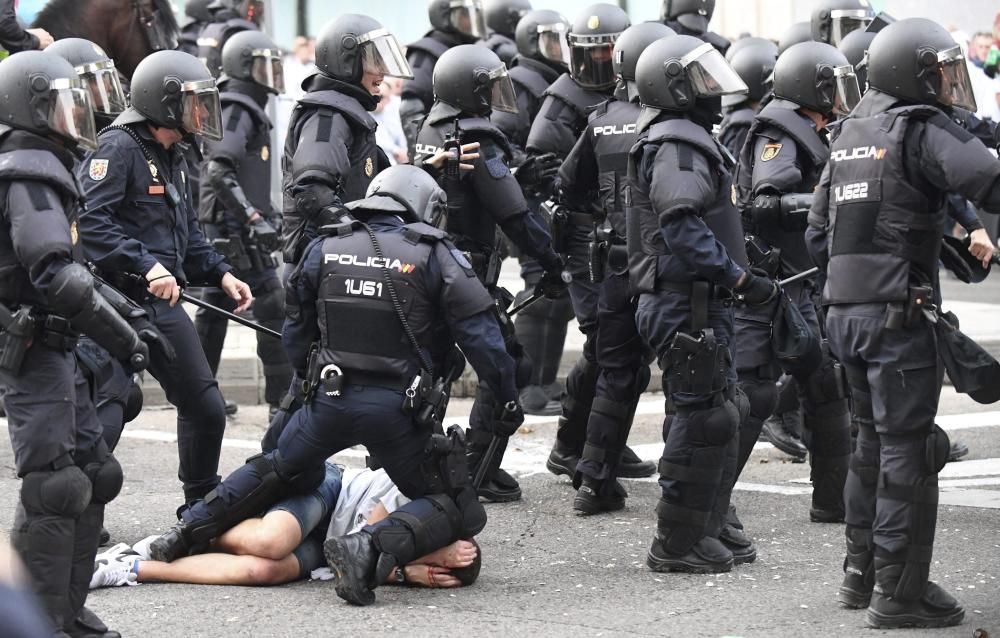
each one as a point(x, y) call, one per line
point(72, 294)
point(227, 188)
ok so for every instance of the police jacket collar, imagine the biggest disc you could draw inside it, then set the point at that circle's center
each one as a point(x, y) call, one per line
point(442, 111)
point(784, 116)
point(385, 207)
point(319, 82)
point(547, 72)
point(678, 128)
point(27, 141)
point(874, 102)
point(129, 116)
point(252, 90)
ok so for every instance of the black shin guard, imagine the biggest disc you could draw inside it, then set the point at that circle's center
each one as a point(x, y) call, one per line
point(414, 530)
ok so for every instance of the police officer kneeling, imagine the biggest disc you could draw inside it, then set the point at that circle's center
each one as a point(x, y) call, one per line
point(875, 228)
point(367, 301)
point(68, 473)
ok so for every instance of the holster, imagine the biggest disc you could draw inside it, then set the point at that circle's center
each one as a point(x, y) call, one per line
point(233, 251)
point(763, 257)
point(599, 249)
point(445, 467)
point(907, 314)
point(15, 340)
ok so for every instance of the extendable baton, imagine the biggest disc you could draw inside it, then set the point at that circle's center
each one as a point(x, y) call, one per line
point(229, 315)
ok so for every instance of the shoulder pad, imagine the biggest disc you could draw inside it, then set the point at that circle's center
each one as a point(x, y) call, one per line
point(441, 111)
point(38, 165)
point(575, 96)
point(428, 45)
point(340, 229)
point(778, 114)
point(420, 231)
point(531, 80)
point(742, 116)
point(489, 129)
point(249, 105)
point(598, 111)
point(682, 130)
point(347, 106)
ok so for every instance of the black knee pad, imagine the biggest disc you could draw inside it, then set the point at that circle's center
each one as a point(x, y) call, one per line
point(65, 492)
point(106, 478)
point(270, 305)
point(642, 377)
point(937, 449)
point(762, 395)
point(473, 512)
point(715, 426)
point(133, 402)
point(468, 574)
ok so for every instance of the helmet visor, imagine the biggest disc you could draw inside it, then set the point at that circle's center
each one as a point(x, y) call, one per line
point(956, 85)
point(382, 55)
point(552, 43)
point(591, 58)
point(106, 93)
point(267, 70)
point(848, 93)
point(202, 113)
point(709, 73)
point(468, 17)
point(70, 115)
point(844, 21)
point(502, 96)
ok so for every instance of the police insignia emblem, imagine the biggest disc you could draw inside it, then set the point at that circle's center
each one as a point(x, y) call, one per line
point(732, 193)
point(770, 152)
point(369, 167)
point(265, 153)
point(74, 234)
point(593, 22)
point(98, 169)
point(152, 169)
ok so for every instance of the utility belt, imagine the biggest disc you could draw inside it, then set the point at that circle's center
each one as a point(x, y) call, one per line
point(698, 291)
point(608, 252)
point(244, 255)
point(907, 314)
point(563, 222)
point(27, 327)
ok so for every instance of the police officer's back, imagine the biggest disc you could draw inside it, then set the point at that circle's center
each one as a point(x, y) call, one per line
point(48, 298)
point(235, 207)
point(502, 17)
point(330, 152)
point(754, 60)
point(875, 229)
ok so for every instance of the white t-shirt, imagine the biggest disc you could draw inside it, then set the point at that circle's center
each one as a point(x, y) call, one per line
point(985, 89)
point(360, 493)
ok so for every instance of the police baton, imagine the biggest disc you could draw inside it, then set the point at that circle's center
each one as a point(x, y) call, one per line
point(229, 315)
point(535, 296)
point(485, 462)
point(802, 275)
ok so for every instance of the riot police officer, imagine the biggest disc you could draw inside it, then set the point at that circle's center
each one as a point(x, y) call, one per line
point(469, 82)
point(227, 18)
point(330, 152)
point(794, 34)
point(141, 231)
point(686, 253)
point(778, 169)
point(874, 228)
point(593, 178)
point(369, 370)
point(453, 22)
point(753, 59)
point(235, 206)
point(502, 17)
point(832, 20)
point(97, 71)
point(198, 18)
point(691, 17)
point(48, 298)
point(562, 119)
point(543, 54)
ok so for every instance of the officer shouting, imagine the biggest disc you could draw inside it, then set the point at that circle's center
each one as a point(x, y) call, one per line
point(875, 228)
point(685, 254)
point(47, 299)
point(235, 205)
point(141, 230)
point(364, 310)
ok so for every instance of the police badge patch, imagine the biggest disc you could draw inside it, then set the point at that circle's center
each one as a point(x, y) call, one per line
point(770, 152)
point(98, 169)
point(369, 167)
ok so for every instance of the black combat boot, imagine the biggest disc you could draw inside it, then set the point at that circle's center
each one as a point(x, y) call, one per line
point(859, 570)
point(632, 467)
point(783, 431)
point(934, 607)
point(498, 486)
point(353, 559)
point(596, 496)
point(170, 546)
point(707, 556)
point(736, 540)
point(562, 459)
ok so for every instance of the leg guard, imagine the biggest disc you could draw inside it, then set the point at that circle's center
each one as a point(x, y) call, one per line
point(44, 531)
point(762, 395)
point(859, 569)
point(414, 530)
point(827, 420)
point(581, 384)
point(133, 402)
point(541, 329)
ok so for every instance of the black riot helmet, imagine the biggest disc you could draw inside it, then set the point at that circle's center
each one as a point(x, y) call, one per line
point(407, 191)
point(751, 41)
point(172, 89)
point(816, 76)
point(918, 61)
point(43, 95)
point(197, 10)
point(798, 32)
point(352, 45)
point(252, 10)
point(676, 72)
point(754, 62)
point(474, 80)
point(464, 18)
point(502, 16)
point(97, 72)
point(541, 36)
point(834, 19)
point(591, 45)
point(854, 46)
point(253, 57)
point(692, 14)
point(629, 46)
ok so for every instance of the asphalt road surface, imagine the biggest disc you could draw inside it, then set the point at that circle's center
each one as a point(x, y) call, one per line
point(548, 572)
